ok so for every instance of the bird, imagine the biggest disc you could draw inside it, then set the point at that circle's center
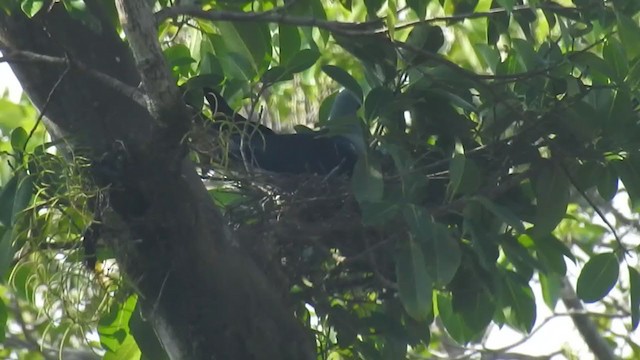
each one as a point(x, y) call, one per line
point(315, 152)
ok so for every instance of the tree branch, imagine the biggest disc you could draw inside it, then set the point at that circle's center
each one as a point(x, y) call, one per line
point(16, 56)
point(137, 21)
point(590, 333)
point(277, 16)
point(344, 28)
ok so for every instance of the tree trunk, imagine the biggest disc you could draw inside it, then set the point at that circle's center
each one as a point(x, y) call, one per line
point(205, 298)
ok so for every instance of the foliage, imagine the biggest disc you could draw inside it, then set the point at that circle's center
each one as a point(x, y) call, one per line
point(495, 132)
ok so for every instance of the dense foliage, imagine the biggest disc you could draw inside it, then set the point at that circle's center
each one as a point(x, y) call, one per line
point(491, 135)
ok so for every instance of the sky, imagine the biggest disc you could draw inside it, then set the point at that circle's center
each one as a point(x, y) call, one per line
point(9, 82)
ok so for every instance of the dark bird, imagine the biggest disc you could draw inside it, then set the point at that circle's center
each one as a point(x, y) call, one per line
point(312, 153)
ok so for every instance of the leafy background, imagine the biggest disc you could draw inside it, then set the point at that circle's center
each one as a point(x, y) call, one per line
point(522, 134)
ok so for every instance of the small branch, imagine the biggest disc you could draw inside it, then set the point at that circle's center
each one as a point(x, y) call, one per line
point(339, 27)
point(16, 56)
point(164, 101)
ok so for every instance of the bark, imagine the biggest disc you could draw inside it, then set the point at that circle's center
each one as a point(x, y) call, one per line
point(205, 298)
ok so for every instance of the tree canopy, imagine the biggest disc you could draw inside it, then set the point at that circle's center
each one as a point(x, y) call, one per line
point(492, 139)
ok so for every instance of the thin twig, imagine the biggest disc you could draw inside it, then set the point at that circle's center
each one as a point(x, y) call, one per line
point(593, 205)
point(46, 105)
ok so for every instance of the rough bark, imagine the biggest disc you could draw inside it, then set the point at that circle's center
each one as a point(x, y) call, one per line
point(206, 299)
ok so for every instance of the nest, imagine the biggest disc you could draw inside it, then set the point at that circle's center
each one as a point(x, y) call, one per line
point(303, 230)
point(306, 231)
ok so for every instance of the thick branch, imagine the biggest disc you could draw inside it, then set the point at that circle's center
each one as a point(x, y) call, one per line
point(136, 18)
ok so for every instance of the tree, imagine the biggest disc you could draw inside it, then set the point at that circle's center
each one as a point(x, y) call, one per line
point(490, 136)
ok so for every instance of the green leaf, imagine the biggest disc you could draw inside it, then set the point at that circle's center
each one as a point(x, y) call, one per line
point(551, 286)
point(634, 294)
point(179, 59)
point(346, 4)
point(226, 197)
point(250, 41)
point(614, 54)
point(456, 171)
point(497, 25)
point(377, 54)
point(477, 308)
point(145, 337)
point(629, 171)
point(77, 9)
point(7, 197)
point(178, 55)
point(607, 183)
point(552, 195)
point(4, 316)
point(326, 107)
point(443, 256)
point(343, 78)
point(519, 255)
point(377, 102)
point(483, 241)
point(237, 67)
point(419, 7)
point(518, 296)
point(18, 139)
point(378, 213)
point(22, 198)
point(15, 115)
point(501, 213)
point(592, 64)
point(31, 7)
point(128, 350)
point(276, 74)
point(551, 253)
point(289, 41)
point(426, 37)
point(303, 60)
point(366, 182)
point(414, 284)
point(392, 16)
point(527, 55)
point(464, 6)
point(24, 281)
point(453, 322)
point(621, 114)
point(598, 276)
point(507, 4)
point(442, 252)
point(113, 326)
point(629, 34)
point(7, 252)
point(373, 6)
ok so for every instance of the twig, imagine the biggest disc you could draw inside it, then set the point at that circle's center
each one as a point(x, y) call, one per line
point(45, 106)
point(595, 207)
